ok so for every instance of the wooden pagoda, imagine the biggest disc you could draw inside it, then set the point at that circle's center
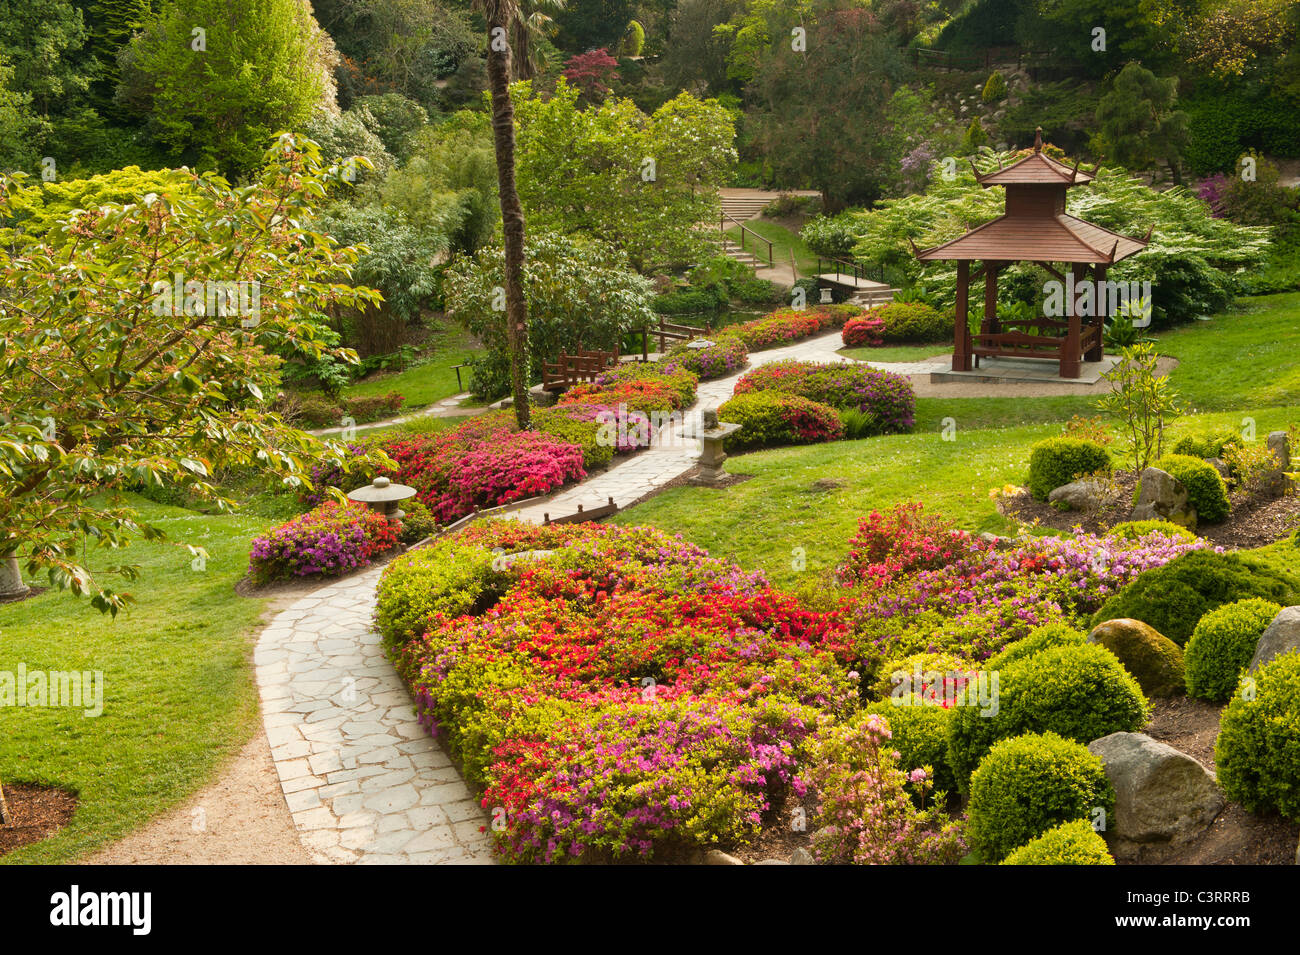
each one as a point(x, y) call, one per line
point(1034, 228)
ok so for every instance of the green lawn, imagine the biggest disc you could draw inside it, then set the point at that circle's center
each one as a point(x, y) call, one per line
point(422, 385)
point(897, 352)
point(784, 243)
point(179, 695)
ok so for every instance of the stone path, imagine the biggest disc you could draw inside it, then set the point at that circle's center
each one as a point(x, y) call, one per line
point(363, 779)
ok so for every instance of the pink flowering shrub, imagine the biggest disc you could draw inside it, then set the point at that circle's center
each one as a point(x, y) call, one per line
point(329, 540)
point(789, 324)
point(770, 419)
point(866, 331)
point(865, 815)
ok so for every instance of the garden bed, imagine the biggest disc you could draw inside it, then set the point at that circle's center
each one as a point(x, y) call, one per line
point(1253, 521)
point(38, 813)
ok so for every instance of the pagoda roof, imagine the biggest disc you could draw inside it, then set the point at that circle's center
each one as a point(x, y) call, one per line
point(1060, 238)
point(1036, 169)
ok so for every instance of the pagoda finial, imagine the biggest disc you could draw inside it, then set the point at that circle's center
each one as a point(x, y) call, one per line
point(1038, 139)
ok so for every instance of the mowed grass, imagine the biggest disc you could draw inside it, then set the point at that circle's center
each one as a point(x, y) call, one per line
point(179, 695)
point(897, 352)
point(785, 245)
point(1244, 364)
point(422, 385)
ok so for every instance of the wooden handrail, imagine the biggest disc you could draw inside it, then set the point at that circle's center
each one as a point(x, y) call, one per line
point(745, 230)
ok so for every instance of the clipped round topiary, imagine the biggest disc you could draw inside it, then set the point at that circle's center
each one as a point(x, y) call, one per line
point(1155, 661)
point(1257, 754)
point(1044, 637)
point(1071, 843)
point(1029, 784)
point(1173, 598)
point(1223, 644)
point(920, 734)
point(1205, 488)
point(1058, 461)
point(1080, 692)
point(1136, 530)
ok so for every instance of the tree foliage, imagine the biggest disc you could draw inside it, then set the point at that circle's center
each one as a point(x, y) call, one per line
point(110, 383)
point(641, 183)
point(1138, 124)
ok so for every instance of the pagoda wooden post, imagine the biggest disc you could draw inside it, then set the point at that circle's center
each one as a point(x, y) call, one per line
point(961, 355)
point(1096, 352)
point(1070, 351)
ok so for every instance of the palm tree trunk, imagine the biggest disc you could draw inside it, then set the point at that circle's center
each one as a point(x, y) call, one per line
point(512, 212)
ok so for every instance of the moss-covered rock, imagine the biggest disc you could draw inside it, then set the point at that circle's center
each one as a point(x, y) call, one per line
point(1155, 661)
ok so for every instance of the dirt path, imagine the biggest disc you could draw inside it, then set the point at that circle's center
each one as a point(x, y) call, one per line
point(241, 819)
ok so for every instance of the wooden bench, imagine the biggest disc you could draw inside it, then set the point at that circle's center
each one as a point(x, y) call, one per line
point(572, 370)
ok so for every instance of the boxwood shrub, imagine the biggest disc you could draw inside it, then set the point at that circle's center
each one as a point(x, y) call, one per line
point(1058, 461)
point(1205, 488)
point(1045, 637)
point(1028, 785)
point(1081, 692)
point(448, 577)
point(1223, 644)
point(1174, 598)
point(1136, 530)
point(770, 419)
point(1257, 754)
point(914, 323)
point(1070, 843)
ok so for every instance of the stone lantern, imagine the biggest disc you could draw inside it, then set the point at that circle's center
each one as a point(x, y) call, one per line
point(711, 434)
point(827, 295)
point(384, 498)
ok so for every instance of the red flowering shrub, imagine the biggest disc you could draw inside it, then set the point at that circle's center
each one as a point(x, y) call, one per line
point(329, 540)
point(863, 332)
point(788, 325)
point(625, 692)
point(886, 398)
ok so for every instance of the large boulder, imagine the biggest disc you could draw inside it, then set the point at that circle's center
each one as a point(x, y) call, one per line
point(1162, 795)
point(1155, 661)
point(1282, 636)
point(1078, 495)
point(1278, 483)
point(1162, 497)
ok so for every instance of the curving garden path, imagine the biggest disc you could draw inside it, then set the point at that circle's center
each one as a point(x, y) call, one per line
point(363, 780)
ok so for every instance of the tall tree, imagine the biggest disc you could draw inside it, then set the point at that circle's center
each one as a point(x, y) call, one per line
point(536, 21)
point(1138, 124)
point(502, 16)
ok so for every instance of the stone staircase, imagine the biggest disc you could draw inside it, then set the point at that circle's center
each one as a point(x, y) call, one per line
point(870, 298)
point(743, 208)
point(733, 249)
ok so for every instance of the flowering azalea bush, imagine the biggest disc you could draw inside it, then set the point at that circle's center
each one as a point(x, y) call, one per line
point(788, 325)
point(644, 387)
point(630, 429)
point(329, 540)
point(625, 692)
point(888, 398)
point(724, 355)
point(865, 815)
point(769, 418)
point(865, 331)
point(918, 586)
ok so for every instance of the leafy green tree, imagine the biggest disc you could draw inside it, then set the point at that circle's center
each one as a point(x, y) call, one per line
point(41, 40)
point(450, 181)
point(820, 114)
point(694, 54)
point(18, 127)
point(641, 183)
point(1139, 125)
point(258, 67)
point(587, 24)
point(581, 294)
point(111, 381)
